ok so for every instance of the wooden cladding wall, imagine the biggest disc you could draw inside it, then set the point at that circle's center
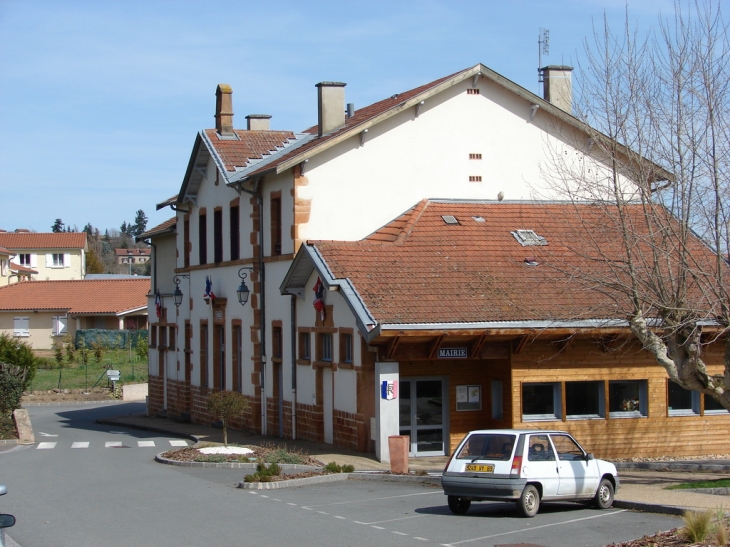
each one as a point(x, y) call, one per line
point(657, 434)
point(467, 372)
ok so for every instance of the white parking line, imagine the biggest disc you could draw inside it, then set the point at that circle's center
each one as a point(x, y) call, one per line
point(440, 493)
point(80, 444)
point(378, 527)
point(144, 444)
point(341, 518)
point(393, 520)
point(112, 444)
point(535, 528)
point(419, 538)
point(45, 446)
point(398, 533)
point(178, 443)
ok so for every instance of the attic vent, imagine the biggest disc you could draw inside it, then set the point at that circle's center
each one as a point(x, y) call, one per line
point(472, 91)
point(478, 219)
point(475, 156)
point(450, 219)
point(531, 261)
point(528, 238)
point(475, 178)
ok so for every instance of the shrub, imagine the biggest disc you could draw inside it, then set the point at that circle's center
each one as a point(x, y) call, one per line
point(141, 348)
point(697, 525)
point(282, 455)
point(227, 406)
point(12, 379)
point(334, 467)
point(211, 458)
point(20, 355)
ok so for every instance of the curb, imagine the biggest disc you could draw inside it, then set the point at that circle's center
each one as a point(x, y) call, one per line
point(290, 467)
point(334, 477)
point(650, 507)
point(672, 466)
point(75, 403)
point(338, 477)
point(9, 441)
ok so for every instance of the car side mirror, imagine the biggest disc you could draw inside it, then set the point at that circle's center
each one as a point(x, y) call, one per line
point(6, 521)
point(589, 457)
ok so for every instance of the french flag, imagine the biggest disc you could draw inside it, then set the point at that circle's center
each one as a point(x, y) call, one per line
point(319, 298)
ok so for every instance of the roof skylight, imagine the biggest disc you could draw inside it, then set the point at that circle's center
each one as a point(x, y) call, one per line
point(450, 219)
point(528, 238)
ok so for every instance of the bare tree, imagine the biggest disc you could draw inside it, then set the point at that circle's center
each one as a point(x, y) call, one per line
point(656, 165)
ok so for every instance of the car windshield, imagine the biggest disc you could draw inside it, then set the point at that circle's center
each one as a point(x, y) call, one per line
point(487, 446)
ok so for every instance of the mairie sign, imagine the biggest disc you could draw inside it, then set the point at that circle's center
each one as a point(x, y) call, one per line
point(452, 353)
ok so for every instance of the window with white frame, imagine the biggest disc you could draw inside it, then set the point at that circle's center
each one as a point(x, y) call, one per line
point(627, 398)
point(60, 323)
point(24, 259)
point(713, 407)
point(584, 400)
point(682, 402)
point(20, 326)
point(55, 260)
point(541, 401)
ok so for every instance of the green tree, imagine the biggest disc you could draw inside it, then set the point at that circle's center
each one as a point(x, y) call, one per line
point(93, 264)
point(17, 369)
point(140, 224)
point(227, 406)
point(57, 226)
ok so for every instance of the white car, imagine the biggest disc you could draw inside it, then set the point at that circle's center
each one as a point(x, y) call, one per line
point(527, 467)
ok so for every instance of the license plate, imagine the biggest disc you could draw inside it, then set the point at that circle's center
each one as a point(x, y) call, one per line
point(480, 468)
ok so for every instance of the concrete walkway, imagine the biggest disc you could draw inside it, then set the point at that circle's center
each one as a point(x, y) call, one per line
point(640, 489)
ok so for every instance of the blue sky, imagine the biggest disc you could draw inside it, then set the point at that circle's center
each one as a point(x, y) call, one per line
point(100, 101)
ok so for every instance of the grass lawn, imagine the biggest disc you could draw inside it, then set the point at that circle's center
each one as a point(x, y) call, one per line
point(77, 376)
point(717, 483)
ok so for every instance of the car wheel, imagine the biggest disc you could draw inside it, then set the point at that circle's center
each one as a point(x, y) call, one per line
point(459, 506)
point(604, 495)
point(529, 502)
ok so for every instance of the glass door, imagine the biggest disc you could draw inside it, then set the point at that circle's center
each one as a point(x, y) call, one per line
point(423, 415)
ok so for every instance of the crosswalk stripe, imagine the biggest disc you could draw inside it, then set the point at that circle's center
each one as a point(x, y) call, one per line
point(178, 443)
point(46, 446)
point(80, 444)
point(112, 444)
point(143, 444)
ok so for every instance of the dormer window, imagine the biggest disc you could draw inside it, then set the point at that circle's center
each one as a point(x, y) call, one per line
point(528, 238)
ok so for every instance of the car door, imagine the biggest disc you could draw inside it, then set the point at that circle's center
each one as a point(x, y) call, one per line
point(541, 464)
point(578, 475)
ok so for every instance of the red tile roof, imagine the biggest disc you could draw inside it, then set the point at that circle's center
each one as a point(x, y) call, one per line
point(80, 297)
point(22, 269)
point(421, 269)
point(249, 145)
point(133, 252)
point(166, 227)
point(48, 240)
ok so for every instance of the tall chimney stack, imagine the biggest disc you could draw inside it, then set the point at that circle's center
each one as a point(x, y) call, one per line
point(330, 106)
point(557, 87)
point(224, 110)
point(258, 122)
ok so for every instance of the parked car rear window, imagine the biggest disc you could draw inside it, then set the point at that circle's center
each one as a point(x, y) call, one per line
point(488, 447)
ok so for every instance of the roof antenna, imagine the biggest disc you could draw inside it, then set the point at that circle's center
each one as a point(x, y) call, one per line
point(543, 48)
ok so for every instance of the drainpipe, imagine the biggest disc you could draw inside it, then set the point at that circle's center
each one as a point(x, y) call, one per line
point(293, 312)
point(262, 282)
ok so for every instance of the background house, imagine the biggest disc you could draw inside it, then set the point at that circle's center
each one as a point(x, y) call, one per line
point(52, 256)
point(132, 256)
point(41, 313)
point(250, 198)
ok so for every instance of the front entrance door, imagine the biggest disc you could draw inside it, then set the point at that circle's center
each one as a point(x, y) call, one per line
point(423, 413)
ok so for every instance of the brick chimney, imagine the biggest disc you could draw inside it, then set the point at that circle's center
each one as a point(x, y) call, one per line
point(258, 122)
point(557, 87)
point(224, 110)
point(330, 106)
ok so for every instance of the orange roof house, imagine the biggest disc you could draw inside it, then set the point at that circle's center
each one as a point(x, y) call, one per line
point(48, 256)
point(514, 310)
point(39, 312)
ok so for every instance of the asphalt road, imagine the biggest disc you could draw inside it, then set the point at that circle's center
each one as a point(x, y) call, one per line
point(111, 492)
